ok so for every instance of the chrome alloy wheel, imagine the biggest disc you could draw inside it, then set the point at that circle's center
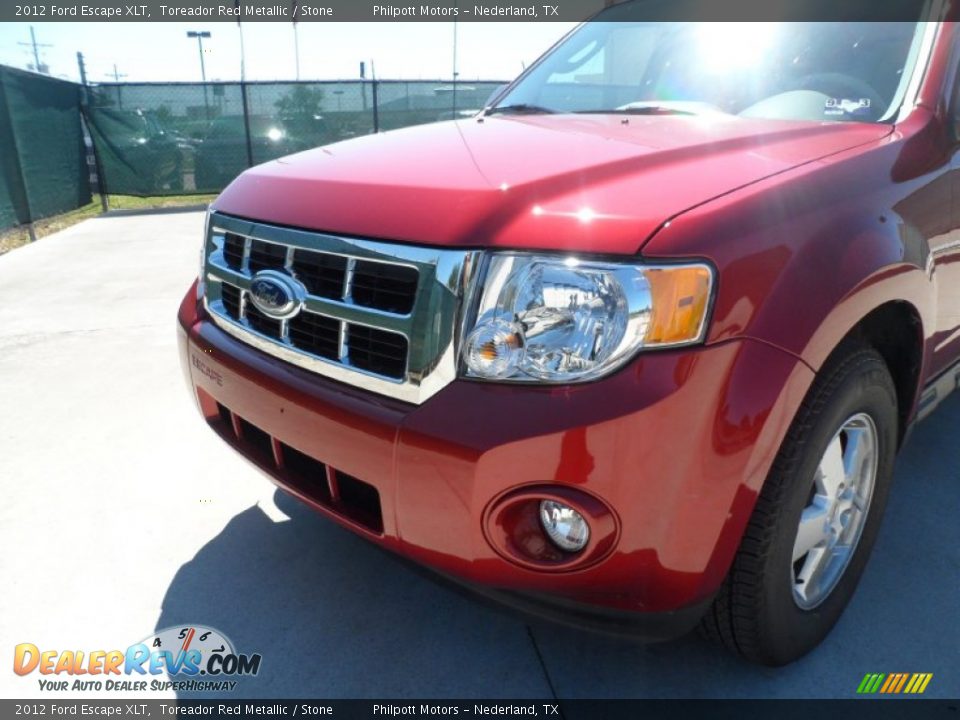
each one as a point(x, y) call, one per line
point(833, 520)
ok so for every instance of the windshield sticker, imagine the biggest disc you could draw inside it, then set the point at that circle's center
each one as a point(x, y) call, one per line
point(847, 106)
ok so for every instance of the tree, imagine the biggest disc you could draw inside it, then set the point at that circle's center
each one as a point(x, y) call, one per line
point(299, 110)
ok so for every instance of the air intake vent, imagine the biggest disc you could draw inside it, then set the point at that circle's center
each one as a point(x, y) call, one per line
point(338, 492)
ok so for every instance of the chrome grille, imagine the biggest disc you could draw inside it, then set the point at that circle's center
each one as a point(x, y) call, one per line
point(377, 315)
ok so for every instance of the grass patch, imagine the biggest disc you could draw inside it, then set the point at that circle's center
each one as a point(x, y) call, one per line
point(19, 236)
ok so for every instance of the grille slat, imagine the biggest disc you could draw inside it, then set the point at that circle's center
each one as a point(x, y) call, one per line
point(266, 256)
point(387, 356)
point(233, 250)
point(263, 324)
point(377, 351)
point(231, 300)
point(321, 273)
point(385, 287)
point(317, 334)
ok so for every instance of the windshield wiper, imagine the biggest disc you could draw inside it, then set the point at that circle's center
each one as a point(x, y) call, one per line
point(520, 109)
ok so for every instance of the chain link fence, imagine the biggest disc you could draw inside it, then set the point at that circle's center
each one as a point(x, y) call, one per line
point(185, 138)
point(43, 169)
point(156, 139)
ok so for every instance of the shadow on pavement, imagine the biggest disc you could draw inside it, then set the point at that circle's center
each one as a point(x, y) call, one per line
point(335, 617)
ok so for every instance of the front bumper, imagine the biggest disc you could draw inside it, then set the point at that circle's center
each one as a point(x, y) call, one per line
point(677, 445)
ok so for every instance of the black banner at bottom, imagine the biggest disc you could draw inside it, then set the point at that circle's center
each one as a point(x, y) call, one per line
point(892, 709)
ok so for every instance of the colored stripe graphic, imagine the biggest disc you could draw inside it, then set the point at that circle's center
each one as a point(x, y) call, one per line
point(894, 683)
point(918, 683)
point(870, 683)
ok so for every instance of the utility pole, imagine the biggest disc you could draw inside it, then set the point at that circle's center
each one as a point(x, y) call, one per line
point(200, 35)
point(116, 78)
point(37, 65)
point(83, 69)
point(36, 53)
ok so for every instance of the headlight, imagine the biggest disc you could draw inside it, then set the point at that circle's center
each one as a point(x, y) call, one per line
point(559, 320)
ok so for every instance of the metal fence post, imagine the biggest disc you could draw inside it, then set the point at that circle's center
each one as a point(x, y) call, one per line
point(97, 165)
point(246, 122)
point(376, 103)
point(85, 124)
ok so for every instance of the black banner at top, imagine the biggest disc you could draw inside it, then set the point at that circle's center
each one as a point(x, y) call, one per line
point(465, 10)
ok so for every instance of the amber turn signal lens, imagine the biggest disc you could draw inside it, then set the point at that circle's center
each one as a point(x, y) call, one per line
point(681, 296)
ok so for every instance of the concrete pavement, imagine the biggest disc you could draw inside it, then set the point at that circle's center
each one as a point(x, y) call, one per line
point(123, 514)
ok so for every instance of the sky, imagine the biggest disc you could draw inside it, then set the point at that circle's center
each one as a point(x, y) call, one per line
point(162, 52)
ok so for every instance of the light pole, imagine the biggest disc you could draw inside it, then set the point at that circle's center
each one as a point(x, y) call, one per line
point(200, 35)
point(455, 71)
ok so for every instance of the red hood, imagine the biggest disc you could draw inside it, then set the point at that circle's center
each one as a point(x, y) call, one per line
point(587, 183)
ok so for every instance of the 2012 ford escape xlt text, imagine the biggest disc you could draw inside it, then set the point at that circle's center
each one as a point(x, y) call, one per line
point(636, 346)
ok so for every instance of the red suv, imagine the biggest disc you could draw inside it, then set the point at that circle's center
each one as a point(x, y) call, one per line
point(635, 347)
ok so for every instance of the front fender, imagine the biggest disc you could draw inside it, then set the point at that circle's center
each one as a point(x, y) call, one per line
point(804, 256)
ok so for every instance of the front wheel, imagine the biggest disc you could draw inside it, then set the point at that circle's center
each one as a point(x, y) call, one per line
point(817, 517)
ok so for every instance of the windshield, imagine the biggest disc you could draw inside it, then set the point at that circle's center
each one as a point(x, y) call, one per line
point(853, 71)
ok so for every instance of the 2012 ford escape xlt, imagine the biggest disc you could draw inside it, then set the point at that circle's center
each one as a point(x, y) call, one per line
point(637, 345)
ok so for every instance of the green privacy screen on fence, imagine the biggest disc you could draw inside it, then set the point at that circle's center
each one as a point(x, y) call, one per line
point(182, 138)
point(186, 138)
point(43, 169)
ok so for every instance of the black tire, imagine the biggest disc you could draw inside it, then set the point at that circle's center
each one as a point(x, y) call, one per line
point(755, 614)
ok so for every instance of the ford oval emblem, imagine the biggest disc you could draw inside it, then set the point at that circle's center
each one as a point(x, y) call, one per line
point(276, 294)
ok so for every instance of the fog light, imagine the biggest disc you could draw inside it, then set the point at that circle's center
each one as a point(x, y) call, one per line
point(566, 528)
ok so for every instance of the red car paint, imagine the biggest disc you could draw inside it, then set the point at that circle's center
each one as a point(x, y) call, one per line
point(465, 183)
point(809, 226)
